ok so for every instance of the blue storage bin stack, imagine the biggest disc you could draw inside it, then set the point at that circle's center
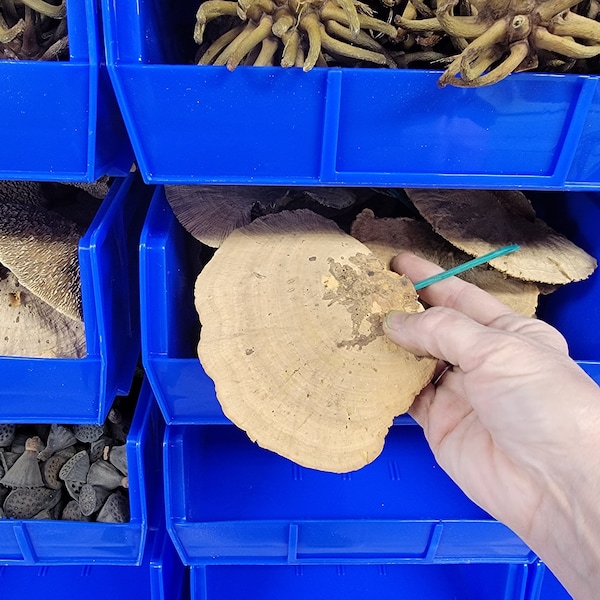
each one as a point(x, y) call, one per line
point(82, 390)
point(62, 116)
point(345, 126)
point(236, 510)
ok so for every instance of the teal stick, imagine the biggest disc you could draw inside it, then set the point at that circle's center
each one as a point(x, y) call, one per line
point(470, 264)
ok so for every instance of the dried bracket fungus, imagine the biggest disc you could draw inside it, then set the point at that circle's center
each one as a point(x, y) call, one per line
point(479, 221)
point(211, 213)
point(497, 37)
point(291, 309)
point(40, 290)
point(293, 33)
point(33, 30)
point(48, 472)
point(387, 237)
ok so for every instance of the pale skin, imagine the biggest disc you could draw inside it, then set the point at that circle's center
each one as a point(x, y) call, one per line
point(515, 423)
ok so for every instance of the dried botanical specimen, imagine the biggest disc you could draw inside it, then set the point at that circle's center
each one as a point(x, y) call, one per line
point(294, 33)
point(499, 37)
point(33, 30)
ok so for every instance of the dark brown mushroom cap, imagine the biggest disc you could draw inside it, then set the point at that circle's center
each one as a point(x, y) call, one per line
point(291, 309)
point(477, 222)
point(387, 237)
point(211, 213)
point(41, 249)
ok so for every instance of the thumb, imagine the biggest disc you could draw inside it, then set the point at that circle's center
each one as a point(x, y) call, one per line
point(442, 333)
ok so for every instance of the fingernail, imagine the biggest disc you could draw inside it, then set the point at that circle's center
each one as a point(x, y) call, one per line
point(394, 319)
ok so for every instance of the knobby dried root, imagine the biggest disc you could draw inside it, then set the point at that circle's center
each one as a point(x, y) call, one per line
point(33, 30)
point(500, 37)
point(293, 33)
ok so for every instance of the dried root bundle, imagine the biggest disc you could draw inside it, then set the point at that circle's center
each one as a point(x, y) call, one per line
point(477, 42)
point(498, 37)
point(33, 30)
point(293, 33)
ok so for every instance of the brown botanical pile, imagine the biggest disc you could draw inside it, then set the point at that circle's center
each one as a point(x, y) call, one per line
point(293, 33)
point(33, 30)
point(477, 42)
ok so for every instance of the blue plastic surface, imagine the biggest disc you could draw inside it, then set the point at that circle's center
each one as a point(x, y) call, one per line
point(42, 390)
point(49, 542)
point(160, 576)
point(230, 502)
point(170, 329)
point(338, 126)
point(62, 116)
point(543, 585)
point(382, 582)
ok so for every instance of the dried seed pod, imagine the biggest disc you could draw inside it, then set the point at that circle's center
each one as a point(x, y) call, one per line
point(7, 434)
point(59, 438)
point(51, 469)
point(25, 473)
point(76, 468)
point(117, 425)
point(18, 444)
point(99, 447)
point(104, 474)
point(72, 512)
point(25, 503)
point(88, 433)
point(91, 498)
point(114, 510)
point(74, 488)
point(117, 456)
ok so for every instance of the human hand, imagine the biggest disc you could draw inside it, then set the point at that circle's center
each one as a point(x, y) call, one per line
point(516, 422)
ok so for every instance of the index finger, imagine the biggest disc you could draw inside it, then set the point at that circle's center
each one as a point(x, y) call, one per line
point(452, 292)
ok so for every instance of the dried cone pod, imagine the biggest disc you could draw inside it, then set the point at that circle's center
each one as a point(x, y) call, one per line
point(91, 498)
point(117, 456)
point(477, 222)
point(7, 434)
point(25, 503)
point(51, 468)
point(25, 473)
point(88, 433)
point(59, 438)
point(103, 474)
point(114, 510)
point(72, 512)
point(388, 237)
point(76, 468)
point(291, 309)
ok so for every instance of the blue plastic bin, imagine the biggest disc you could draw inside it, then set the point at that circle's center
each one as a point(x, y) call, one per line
point(366, 582)
point(160, 576)
point(50, 542)
point(57, 390)
point(62, 116)
point(230, 502)
point(170, 328)
point(543, 585)
point(338, 126)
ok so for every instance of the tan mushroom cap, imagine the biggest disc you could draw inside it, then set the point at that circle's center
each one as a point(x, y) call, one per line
point(291, 309)
point(387, 237)
point(41, 248)
point(477, 222)
point(31, 327)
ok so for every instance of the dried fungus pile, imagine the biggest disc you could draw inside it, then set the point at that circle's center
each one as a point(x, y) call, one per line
point(477, 42)
point(291, 304)
point(41, 225)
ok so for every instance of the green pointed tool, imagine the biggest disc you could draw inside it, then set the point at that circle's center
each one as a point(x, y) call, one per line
point(466, 266)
